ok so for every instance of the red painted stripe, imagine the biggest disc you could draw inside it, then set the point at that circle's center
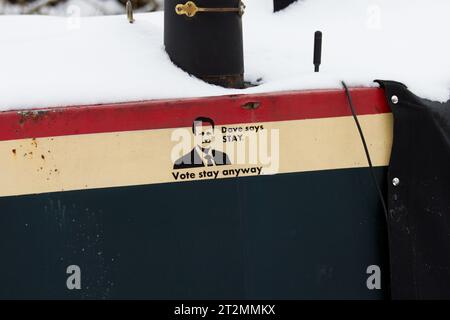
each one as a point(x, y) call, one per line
point(160, 114)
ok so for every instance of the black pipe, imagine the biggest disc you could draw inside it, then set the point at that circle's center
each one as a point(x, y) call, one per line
point(317, 50)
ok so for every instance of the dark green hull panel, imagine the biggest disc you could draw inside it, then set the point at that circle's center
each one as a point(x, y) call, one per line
point(289, 236)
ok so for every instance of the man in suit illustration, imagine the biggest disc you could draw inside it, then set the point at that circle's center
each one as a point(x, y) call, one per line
point(203, 155)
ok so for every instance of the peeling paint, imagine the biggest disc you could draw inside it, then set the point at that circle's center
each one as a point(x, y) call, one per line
point(34, 115)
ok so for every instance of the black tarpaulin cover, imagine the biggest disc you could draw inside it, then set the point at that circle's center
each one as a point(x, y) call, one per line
point(281, 4)
point(419, 201)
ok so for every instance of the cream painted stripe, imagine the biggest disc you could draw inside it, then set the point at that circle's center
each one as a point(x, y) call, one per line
point(32, 166)
point(334, 143)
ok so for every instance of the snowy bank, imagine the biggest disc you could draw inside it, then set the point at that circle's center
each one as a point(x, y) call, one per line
point(58, 61)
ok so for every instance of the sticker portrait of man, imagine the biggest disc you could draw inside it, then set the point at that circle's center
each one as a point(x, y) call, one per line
point(203, 154)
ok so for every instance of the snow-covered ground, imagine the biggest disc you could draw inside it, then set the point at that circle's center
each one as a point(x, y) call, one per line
point(60, 61)
point(83, 8)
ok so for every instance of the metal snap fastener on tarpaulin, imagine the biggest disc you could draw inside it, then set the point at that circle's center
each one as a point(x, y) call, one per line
point(394, 99)
point(396, 182)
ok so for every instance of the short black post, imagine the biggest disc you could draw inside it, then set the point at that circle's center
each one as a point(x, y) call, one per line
point(317, 50)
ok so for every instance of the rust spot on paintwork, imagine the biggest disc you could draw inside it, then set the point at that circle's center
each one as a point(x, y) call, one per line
point(34, 115)
point(251, 105)
point(34, 142)
point(42, 157)
point(14, 151)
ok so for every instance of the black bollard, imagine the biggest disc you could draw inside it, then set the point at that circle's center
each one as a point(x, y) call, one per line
point(204, 38)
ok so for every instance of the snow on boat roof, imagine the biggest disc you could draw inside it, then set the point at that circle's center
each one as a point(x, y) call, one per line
point(61, 61)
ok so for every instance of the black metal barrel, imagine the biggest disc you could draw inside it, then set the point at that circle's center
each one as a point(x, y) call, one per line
point(206, 43)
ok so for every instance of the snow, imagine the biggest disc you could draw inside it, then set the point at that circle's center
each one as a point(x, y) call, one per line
point(61, 61)
point(82, 8)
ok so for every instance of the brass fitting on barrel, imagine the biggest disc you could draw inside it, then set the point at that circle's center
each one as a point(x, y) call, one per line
point(190, 9)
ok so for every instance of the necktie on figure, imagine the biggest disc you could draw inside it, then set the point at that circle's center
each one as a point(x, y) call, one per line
point(209, 160)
